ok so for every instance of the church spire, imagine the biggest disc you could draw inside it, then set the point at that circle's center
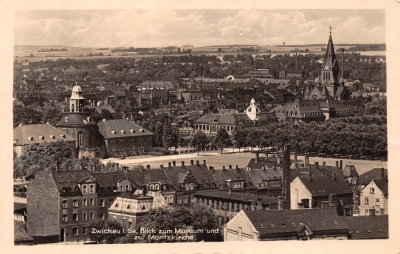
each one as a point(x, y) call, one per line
point(330, 56)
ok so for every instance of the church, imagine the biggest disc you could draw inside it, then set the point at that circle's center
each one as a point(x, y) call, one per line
point(329, 84)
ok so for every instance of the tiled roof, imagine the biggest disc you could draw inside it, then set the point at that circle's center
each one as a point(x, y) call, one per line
point(200, 173)
point(350, 171)
point(68, 179)
point(375, 173)
point(140, 177)
point(367, 227)
point(20, 234)
point(221, 175)
point(121, 128)
point(108, 178)
point(325, 185)
point(40, 133)
point(290, 221)
point(235, 196)
point(382, 185)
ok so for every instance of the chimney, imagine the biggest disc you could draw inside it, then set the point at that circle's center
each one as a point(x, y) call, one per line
point(103, 167)
point(191, 162)
point(333, 176)
point(204, 162)
point(296, 62)
point(237, 167)
point(295, 157)
point(306, 160)
point(278, 160)
point(317, 164)
point(148, 166)
point(341, 164)
point(342, 65)
point(117, 166)
point(280, 203)
point(141, 168)
point(230, 166)
point(309, 173)
point(174, 163)
point(286, 173)
point(337, 164)
point(161, 167)
point(169, 164)
point(286, 66)
point(223, 168)
point(183, 163)
point(197, 163)
point(211, 168)
point(324, 164)
point(259, 204)
point(257, 157)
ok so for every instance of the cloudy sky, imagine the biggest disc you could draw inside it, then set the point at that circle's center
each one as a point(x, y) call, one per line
point(161, 27)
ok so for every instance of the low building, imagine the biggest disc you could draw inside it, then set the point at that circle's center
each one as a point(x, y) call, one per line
point(25, 135)
point(123, 137)
point(273, 225)
point(374, 198)
point(367, 227)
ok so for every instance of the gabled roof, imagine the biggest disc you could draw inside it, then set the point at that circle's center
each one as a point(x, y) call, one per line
point(121, 128)
point(20, 234)
point(220, 176)
point(143, 177)
point(291, 221)
point(325, 185)
point(367, 227)
point(39, 133)
point(200, 173)
point(382, 185)
point(375, 173)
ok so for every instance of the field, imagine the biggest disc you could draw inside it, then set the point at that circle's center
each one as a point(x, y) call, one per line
point(241, 159)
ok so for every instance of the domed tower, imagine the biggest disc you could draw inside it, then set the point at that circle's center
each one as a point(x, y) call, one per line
point(76, 101)
point(78, 124)
point(252, 110)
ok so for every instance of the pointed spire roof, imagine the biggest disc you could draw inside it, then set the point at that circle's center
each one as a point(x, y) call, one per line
point(330, 56)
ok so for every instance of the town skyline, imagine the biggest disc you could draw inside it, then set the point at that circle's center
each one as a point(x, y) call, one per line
point(124, 28)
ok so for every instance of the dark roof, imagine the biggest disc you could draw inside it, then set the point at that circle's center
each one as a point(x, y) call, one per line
point(221, 175)
point(325, 185)
point(68, 179)
point(350, 171)
point(108, 178)
point(20, 234)
point(286, 221)
point(200, 173)
point(235, 196)
point(121, 128)
point(143, 177)
point(382, 185)
point(75, 118)
point(22, 134)
point(375, 173)
point(367, 227)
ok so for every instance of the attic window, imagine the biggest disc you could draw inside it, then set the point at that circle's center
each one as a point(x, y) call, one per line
point(122, 131)
point(52, 137)
point(283, 224)
point(114, 132)
point(132, 131)
point(30, 138)
point(141, 130)
point(41, 137)
point(62, 135)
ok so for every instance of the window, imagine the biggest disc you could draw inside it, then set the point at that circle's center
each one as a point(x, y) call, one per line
point(75, 203)
point(179, 200)
point(75, 215)
point(75, 231)
point(377, 201)
point(84, 216)
point(65, 203)
point(371, 190)
point(366, 201)
point(102, 216)
point(91, 215)
point(80, 139)
point(85, 201)
point(65, 218)
point(84, 188)
point(84, 230)
point(151, 187)
point(191, 186)
point(157, 187)
point(185, 199)
point(91, 188)
point(102, 202)
point(126, 187)
point(91, 201)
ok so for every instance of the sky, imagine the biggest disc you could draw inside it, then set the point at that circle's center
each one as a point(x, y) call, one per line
point(168, 27)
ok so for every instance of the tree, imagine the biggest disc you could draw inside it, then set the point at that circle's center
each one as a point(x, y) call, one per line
point(25, 115)
point(170, 136)
point(239, 138)
point(51, 115)
point(99, 225)
point(222, 139)
point(200, 141)
point(205, 219)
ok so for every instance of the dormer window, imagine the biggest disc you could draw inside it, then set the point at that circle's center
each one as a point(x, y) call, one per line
point(62, 135)
point(114, 132)
point(132, 131)
point(41, 137)
point(141, 130)
point(52, 137)
point(30, 138)
point(122, 131)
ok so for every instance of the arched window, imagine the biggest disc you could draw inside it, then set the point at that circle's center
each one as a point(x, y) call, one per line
point(157, 187)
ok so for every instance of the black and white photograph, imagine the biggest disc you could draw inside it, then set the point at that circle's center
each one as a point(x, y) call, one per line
point(201, 126)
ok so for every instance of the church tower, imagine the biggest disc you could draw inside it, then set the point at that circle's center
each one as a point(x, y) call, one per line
point(252, 110)
point(330, 69)
point(76, 101)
